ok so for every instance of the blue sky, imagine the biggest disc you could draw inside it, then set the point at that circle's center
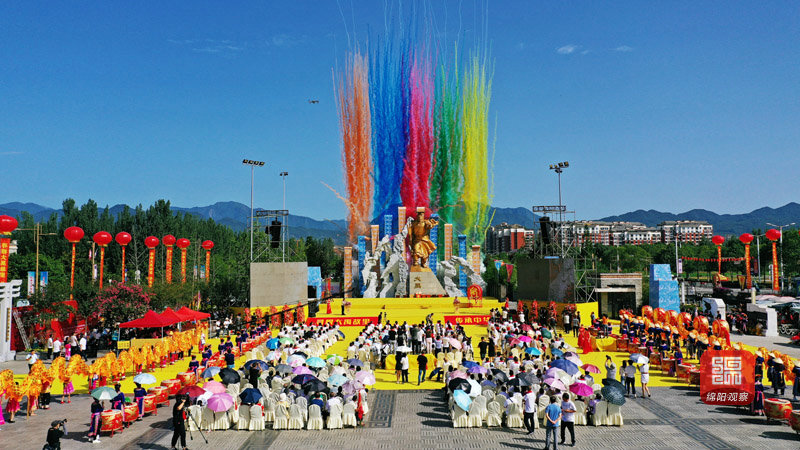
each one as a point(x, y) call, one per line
point(662, 105)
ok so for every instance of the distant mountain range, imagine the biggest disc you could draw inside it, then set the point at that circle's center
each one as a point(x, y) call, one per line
point(724, 224)
point(234, 215)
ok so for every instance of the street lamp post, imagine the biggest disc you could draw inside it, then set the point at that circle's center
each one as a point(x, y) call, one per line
point(283, 175)
point(252, 164)
point(559, 168)
point(780, 228)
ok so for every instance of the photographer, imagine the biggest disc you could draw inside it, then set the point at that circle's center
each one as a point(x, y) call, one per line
point(178, 421)
point(54, 434)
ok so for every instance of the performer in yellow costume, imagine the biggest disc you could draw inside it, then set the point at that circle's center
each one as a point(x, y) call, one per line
point(421, 244)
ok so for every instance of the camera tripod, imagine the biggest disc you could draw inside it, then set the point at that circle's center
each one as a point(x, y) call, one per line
point(191, 437)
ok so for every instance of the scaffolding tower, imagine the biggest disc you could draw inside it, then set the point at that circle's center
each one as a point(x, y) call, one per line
point(271, 236)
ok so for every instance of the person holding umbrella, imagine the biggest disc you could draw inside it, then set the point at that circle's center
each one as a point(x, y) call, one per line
point(644, 370)
point(94, 421)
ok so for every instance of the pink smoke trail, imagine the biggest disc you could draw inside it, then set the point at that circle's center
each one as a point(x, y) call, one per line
point(415, 187)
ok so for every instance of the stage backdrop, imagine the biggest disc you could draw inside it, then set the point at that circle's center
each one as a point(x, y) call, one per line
point(278, 283)
point(546, 279)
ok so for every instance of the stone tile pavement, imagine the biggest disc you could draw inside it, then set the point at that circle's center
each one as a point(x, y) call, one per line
point(673, 419)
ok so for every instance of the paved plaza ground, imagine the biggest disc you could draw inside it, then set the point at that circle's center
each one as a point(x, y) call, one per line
point(673, 418)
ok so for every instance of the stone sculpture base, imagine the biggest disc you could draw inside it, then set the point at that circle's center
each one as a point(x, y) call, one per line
point(423, 282)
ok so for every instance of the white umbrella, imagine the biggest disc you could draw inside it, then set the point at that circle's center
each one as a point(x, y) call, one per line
point(475, 388)
point(404, 349)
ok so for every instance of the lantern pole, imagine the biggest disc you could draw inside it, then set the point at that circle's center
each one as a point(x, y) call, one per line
point(780, 228)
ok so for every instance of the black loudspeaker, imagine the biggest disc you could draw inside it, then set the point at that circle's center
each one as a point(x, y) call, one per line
point(274, 231)
point(544, 225)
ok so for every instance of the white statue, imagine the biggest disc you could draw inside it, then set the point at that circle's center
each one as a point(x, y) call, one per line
point(448, 274)
point(395, 275)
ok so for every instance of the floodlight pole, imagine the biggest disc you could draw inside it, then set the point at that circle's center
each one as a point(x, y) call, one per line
point(252, 164)
point(286, 219)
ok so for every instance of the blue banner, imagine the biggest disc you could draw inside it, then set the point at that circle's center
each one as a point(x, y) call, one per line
point(388, 220)
point(462, 252)
point(433, 259)
point(361, 245)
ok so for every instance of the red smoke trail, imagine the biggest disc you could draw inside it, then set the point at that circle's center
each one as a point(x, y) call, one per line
point(354, 118)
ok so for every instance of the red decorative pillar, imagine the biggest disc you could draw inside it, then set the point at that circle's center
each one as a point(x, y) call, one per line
point(73, 235)
point(746, 239)
point(773, 235)
point(169, 241)
point(183, 244)
point(718, 240)
point(7, 225)
point(151, 242)
point(102, 239)
point(208, 245)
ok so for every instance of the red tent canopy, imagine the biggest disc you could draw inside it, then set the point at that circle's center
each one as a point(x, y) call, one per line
point(173, 317)
point(195, 315)
point(151, 319)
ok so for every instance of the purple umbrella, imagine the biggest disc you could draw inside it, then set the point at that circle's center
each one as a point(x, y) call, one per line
point(220, 402)
point(459, 374)
point(302, 370)
point(477, 369)
point(365, 378)
point(555, 383)
point(351, 387)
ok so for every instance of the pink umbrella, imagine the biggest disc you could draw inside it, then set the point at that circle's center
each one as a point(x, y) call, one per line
point(526, 339)
point(582, 389)
point(514, 341)
point(459, 374)
point(351, 387)
point(455, 343)
point(555, 383)
point(527, 328)
point(215, 387)
point(302, 370)
point(220, 402)
point(365, 378)
point(591, 368)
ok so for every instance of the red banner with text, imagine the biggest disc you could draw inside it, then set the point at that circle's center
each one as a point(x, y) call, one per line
point(727, 377)
point(343, 321)
point(482, 320)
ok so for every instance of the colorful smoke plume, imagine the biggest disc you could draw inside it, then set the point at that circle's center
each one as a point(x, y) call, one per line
point(415, 132)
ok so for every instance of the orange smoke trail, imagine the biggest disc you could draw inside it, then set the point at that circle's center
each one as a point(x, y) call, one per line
point(354, 120)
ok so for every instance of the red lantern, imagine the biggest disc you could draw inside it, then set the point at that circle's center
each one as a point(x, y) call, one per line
point(208, 245)
point(746, 238)
point(7, 225)
point(773, 234)
point(102, 238)
point(183, 243)
point(123, 238)
point(717, 240)
point(151, 242)
point(168, 240)
point(73, 234)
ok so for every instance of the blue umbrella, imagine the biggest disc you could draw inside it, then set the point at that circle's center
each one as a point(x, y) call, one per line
point(303, 379)
point(556, 352)
point(257, 362)
point(462, 399)
point(273, 343)
point(315, 362)
point(477, 369)
point(566, 365)
point(533, 351)
point(337, 380)
point(469, 364)
point(211, 372)
point(144, 378)
point(250, 395)
point(489, 384)
point(355, 362)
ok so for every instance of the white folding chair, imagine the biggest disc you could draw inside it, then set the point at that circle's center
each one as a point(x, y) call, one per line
point(460, 417)
point(296, 421)
point(475, 415)
point(335, 417)
point(349, 415)
point(601, 413)
point(269, 410)
point(196, 413)
point(615, 415)
point(495, 414)
point(314, 418)
point(221, 421)
point(281, 421)
point(481, 401)
point(514, 417)
point(303, 406)
point(244, 419)
point(580, 413)
point(257, 422)
point(207, 422)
